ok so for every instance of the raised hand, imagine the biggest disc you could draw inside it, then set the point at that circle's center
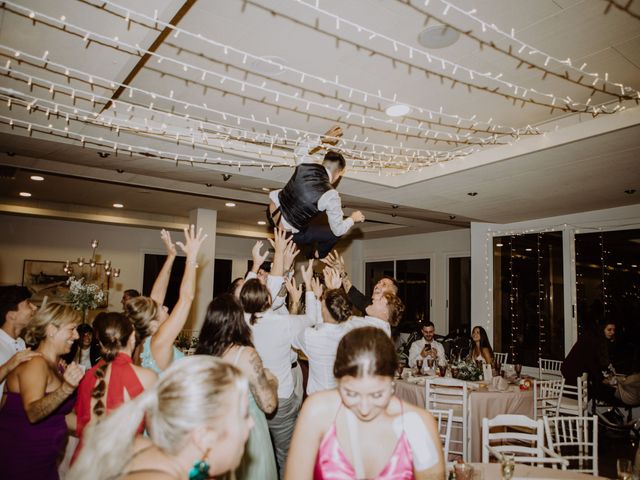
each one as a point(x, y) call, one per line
point(73, 374)
point(307, 274)
point(257, 256)
point(331, 278)
point(357, 216)
point(332, 136)
point(279, 242)
point(193, 242)
point(295, 291)
point(168, 244)
point(290, 253)
point(21, 357)
point(335, 261)
point(316, 286)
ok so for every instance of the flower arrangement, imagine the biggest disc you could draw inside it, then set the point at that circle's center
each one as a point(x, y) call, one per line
point(84, 296)
point(185, 342)
point(467, 371)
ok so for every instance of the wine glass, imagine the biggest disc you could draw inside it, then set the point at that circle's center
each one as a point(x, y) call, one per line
point(625, 471)
point(507, 466)
point(419, 363)
point(430, 363)
point(518, 368)
point(442, 368)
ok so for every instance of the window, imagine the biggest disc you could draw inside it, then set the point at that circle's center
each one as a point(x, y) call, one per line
point(459, 299)
point(528, 296)
point(413, 277)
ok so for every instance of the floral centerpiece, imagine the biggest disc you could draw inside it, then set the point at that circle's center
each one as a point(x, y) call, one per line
point(469, 371)
point(84, 296)
point(186, 343)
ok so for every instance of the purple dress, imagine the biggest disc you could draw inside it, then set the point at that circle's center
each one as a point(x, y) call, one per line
point(31, 450)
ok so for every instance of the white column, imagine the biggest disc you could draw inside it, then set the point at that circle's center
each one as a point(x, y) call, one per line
point(207, 220)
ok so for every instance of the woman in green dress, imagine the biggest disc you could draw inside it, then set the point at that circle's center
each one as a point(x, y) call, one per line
point(225, 334)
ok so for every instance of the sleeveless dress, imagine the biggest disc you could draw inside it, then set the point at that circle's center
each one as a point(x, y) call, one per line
point(123, 377)
point(147, 360)
point(258, 460)
point(332, 463)
point(31, 450)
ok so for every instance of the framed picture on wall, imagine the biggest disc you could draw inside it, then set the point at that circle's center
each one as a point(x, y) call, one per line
point(47, 278)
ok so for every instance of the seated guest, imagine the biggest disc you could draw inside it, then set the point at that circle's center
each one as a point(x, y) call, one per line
point(357, 298)
point(320, 342)
point(156, 329)
point(197, 420)
point(481, 350)
point(361, 429)
point(83, 351)
point(225, 334)
point(426, 347)
point(15, 312)
point(114, 380)
point(128, 295)
point(33, 429)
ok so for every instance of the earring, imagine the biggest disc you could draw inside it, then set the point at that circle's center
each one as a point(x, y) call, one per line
point(200, 469)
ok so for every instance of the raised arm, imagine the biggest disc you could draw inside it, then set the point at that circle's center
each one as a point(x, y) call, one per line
point(159, 289)
point(262, 383)
point(279, 244)
point(162, 340)
point(32, 379)
point(331, 204)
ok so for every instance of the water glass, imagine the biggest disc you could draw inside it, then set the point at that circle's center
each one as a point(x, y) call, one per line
point(464, 471)
point(625, 469)
point(518, 369)
point(507, 466)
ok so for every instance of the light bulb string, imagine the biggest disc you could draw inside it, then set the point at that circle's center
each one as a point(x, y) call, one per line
point(88, 35)
point(524, 47)
point(351, 90)
point(567, 103)
point(53, 86)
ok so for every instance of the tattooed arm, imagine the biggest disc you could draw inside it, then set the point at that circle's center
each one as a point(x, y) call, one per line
point(263, 385)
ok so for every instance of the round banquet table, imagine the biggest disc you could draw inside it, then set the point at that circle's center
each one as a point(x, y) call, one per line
point(491, 471)
point(482, 404)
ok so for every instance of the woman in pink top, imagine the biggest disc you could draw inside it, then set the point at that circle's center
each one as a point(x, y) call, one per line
point(361, 429)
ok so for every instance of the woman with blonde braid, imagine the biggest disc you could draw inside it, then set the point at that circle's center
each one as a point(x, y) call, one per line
point(198, 422)
point(156, 328)
point(114, 379)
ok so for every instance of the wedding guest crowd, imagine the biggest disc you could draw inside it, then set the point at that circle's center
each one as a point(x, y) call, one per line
point(141, 410)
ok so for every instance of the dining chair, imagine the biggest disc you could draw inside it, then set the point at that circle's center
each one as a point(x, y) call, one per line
point(449, 393)
point(501, 357)
point(444, 419)
point(546, 397)
point(576, 440)
point(521, 437)
point(549, 368)
point(575, 398)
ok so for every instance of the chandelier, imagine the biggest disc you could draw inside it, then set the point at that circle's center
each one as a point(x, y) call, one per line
point(93, 264)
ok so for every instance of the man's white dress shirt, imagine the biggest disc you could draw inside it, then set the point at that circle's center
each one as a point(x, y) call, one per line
point(8, 348)
point(418, 345)
point(368, 321)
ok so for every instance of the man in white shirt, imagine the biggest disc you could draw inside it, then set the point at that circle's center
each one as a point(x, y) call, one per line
point(311, 191)
point(385, 311)
point(426, 347)
point(15, 312)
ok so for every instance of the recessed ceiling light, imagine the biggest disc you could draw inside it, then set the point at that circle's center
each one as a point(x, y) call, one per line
point(25, 194)
point(634, 266)
point(438, 36)
point(262, 222)
point(265, 189)
point(528, 249)
point(397, 110)
point(229, 204)
point(118, 205)
point(619, 263)
point(36, 178)
point(499, 244)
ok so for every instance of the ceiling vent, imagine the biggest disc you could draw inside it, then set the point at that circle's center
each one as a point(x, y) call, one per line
point(8, 172)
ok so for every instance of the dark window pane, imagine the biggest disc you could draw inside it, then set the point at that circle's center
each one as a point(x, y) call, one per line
point(152, 266)
point(528, 297)
point(221, 276)
point(413, 288)
point(459, 294)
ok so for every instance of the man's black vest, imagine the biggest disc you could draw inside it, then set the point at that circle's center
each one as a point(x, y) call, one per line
point(299, 197)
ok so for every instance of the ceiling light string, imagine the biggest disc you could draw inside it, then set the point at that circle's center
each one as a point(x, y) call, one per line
point(519, 93)
point(625, 8)
point(178, 158)
point(351, 90)
point(225, 115)
point(617, 89)
point(243, 84)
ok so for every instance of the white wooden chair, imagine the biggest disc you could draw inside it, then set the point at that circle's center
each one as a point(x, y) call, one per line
point(575, 439)
point(501, 357)
point(546, 397)
point(444, 419)
point(449, 393)
point(513, 437)
point(575, 398)
point(549, 368)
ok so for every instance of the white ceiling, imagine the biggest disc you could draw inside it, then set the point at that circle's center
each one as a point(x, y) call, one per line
point(572, 162)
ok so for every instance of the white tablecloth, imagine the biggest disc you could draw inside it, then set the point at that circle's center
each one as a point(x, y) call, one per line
point(482, 403)
point(491, 471)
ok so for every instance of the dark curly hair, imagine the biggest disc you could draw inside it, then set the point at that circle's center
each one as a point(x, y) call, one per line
point(338, 304)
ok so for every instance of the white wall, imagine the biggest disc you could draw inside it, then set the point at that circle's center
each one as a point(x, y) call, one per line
point(438, 247)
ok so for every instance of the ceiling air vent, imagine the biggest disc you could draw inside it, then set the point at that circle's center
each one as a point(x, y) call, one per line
point(8, 172)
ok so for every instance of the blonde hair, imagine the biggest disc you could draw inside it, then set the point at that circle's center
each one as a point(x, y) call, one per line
point(50, 313)
point(141, 311)
point(189, 394)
